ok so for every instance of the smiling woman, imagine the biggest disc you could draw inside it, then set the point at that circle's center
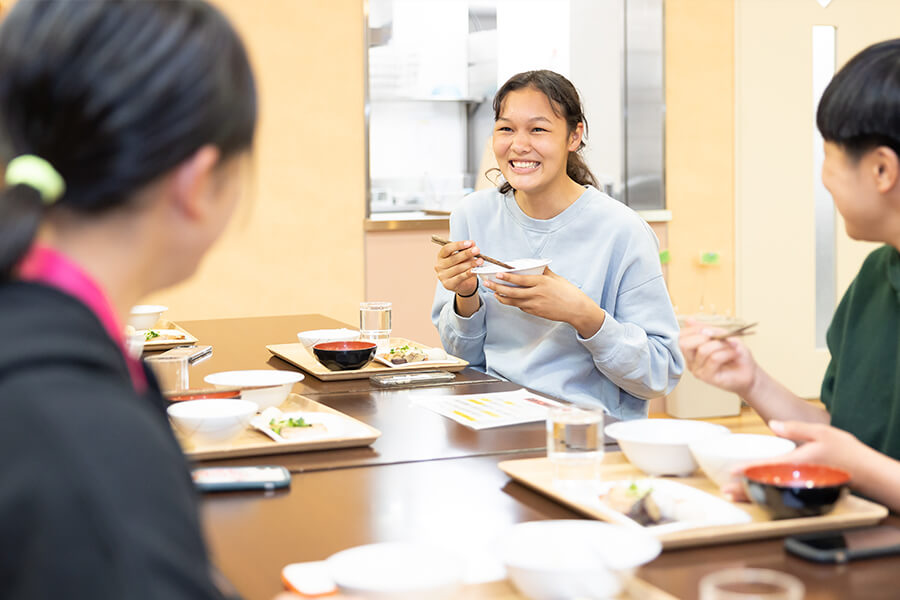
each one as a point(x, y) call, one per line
point(598, 329)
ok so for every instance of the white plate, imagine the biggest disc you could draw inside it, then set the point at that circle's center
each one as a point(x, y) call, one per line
point(382, 358)
point(335, 425)
point(689, 507)
point(521, 266)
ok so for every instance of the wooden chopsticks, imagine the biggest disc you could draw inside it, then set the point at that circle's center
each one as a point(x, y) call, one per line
point(737, 332)
point(441, 242)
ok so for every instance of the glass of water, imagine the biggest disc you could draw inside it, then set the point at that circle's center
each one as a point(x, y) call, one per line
point(172, 372)
point(575, 443)
point(375, 324)
point(750, 584)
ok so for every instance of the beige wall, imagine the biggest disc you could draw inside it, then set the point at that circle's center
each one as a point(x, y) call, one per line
point(700, 151)
point(774, 191)
point(298, 246)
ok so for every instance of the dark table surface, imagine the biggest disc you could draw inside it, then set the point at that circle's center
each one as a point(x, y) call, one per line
point(409, 433)
point(427, 479)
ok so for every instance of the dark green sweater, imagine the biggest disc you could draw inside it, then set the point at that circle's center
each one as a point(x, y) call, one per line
point(862, 384)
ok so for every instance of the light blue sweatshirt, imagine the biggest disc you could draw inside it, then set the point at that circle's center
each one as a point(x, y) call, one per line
point(612, 255)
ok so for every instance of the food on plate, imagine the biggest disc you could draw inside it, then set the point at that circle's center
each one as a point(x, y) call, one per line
point(286, 425)
point(636, 502)
point(290, 428)
point(163, 334)
point(401, 355)
point(405, 354)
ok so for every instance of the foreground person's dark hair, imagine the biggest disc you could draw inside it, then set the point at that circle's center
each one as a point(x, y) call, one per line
point(860, 109)
point(565, 102)
point(114, 94)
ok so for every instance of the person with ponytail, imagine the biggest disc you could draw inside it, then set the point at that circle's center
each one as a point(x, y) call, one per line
point(597, 328)
point(124, 130)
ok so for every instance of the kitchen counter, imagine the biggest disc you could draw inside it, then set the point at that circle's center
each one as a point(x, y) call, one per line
point(418, 220)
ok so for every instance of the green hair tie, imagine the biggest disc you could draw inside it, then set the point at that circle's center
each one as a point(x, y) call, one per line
point(37, 173)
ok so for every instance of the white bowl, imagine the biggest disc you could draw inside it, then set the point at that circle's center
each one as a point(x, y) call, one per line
point(397, 570)
point(145, 316)
point(314, 336)
point(279, 384)
point(521, 266)
point(551, 560)
point(212, 421)
point(660, 446)
point(717, 457)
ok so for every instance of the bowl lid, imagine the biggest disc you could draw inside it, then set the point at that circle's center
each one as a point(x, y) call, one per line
point(253, 378)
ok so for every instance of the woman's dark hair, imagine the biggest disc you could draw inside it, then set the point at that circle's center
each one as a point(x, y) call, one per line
point(565, 102)
point(860, 109)
point(113, 94)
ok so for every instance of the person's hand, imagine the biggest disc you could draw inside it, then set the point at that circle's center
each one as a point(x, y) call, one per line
point(726, 364)
point(455, 262)
point(551, 297)
point(817, 443)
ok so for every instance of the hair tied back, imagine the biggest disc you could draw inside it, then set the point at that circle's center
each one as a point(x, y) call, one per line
point(36, 173)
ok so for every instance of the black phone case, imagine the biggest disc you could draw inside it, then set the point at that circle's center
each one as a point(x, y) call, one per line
point(797, 545)
point(231, 486)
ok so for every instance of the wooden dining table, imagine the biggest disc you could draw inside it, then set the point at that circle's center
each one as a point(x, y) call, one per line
point(430, 479)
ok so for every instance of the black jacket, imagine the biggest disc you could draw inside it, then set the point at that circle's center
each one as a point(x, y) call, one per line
point(95, 497)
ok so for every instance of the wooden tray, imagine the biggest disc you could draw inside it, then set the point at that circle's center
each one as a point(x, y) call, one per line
point(300, 357)
point(154, 345)
point(255, 443)
point(851, 511)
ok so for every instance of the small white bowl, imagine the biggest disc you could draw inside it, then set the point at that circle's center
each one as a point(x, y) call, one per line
point(212, 421)
point(145, 316)
point(276, 384)
point(548, 560)
point(660, 446)
point(718, 456)
point(397, 570)
point(314, 336)
point(521, 266)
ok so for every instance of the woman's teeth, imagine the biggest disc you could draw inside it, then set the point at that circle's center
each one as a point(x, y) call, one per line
point(519, 164)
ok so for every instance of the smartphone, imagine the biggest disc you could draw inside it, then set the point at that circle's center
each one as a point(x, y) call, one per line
point(843, 546)
point(193, 353)
point(226, 479)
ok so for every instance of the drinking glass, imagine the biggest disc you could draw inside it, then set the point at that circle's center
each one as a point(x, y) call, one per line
point(172, 372)
point(750, 584)
point(575, 443)
point(375, 324)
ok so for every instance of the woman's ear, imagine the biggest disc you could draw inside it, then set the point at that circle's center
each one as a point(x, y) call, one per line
point(885, 168)
point(576, 137)
point(192, 183)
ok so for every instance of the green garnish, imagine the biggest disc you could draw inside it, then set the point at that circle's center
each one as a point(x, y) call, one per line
point(400, 350)
point(150, 334)
point(635, 490)
point(277, 426)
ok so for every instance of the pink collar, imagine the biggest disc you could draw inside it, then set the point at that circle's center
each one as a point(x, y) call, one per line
point(44, 264)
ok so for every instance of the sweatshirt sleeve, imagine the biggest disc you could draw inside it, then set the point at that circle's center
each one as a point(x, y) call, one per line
point(460, 336)
point(637, 346)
